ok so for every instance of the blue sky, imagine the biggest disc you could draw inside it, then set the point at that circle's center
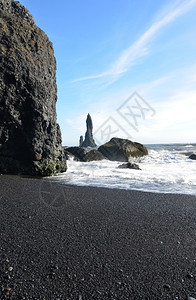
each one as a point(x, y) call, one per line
point(108, 49)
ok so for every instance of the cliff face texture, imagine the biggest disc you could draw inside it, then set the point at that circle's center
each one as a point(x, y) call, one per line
point(30, 138)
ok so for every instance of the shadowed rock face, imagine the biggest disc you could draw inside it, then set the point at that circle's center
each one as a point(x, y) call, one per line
point(78, 152)
point(89, 141)
point(93, 155)
point(30, 138)
point(81, 154)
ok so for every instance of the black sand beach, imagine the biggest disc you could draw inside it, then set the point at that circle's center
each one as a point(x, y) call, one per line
point(69, 242)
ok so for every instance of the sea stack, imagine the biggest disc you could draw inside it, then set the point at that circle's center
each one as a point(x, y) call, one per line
point(30, 138)
point(89, 141)
point(81, 141)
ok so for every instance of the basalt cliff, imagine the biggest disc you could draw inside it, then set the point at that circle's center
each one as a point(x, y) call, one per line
point(30, 138)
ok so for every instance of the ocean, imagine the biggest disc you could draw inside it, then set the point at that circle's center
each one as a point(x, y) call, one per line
point(167, 169)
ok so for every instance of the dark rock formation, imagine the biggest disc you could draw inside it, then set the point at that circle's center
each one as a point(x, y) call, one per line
point(89, 141)
point(30, 138)
point(81, 141)
point(18, 10)
point(192, 156)
point(121, 149)
point(129, 166)
point(93, 155)
point(186, 153)
point(78, 152)
point(69, 155)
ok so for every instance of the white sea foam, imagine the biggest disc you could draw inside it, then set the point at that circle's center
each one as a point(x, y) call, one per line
point(164, 170)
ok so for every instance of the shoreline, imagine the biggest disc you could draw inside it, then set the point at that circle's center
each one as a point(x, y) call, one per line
point(124, 189)
point(59, 181)
point(79, 242)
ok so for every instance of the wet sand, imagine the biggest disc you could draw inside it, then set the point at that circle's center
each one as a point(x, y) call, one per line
point(67, 242)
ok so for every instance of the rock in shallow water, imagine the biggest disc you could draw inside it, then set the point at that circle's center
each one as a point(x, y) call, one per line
point(122, 150)
point(129, 166)
point(93, 155)
point(78, 152)
point(81, 154)
point(30, 138)
point(192, 156)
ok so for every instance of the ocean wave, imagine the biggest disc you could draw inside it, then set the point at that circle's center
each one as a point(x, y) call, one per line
point(163, 171)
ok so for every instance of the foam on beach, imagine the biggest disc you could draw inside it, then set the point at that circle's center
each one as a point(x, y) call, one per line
point(165, 170)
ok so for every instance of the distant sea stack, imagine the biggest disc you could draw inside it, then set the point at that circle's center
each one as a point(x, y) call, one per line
point(81, 141)
point(88, 141)
point(30, 138)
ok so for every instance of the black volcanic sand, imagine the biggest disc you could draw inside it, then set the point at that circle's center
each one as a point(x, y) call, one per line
point(69, 242)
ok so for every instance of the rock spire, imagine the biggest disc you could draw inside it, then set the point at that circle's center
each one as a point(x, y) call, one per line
point(89, 141)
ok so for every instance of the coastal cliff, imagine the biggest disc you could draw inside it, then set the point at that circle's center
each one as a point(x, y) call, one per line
point(30, 138)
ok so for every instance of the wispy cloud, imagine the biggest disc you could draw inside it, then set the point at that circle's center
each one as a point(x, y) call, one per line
point(172, 96)
point(140, 47)
point(104, 74)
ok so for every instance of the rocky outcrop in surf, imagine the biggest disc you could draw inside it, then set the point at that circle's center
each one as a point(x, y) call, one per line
point(94, 155)
point(129, 166)
point(122, 149)
point(115, 150)
point(192, 156)
point(80, 154)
